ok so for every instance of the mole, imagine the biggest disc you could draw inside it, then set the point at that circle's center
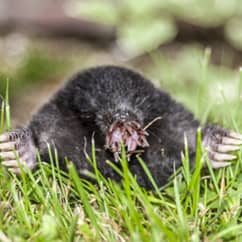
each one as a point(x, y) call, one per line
point(115, 107)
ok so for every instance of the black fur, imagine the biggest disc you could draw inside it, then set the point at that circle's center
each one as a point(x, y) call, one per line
point(90, 102)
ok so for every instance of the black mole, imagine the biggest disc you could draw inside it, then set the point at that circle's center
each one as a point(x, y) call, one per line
point(113, 105)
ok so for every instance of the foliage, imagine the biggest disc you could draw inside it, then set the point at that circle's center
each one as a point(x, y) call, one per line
point(145, 25)
point(35, 66)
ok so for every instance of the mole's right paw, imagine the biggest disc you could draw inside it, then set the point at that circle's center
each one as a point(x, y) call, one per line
point(16, 148)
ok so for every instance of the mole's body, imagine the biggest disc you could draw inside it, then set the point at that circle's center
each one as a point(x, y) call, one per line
point(114, 104)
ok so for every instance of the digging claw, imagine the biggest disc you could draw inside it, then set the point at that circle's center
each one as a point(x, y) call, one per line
point(221, 157)
point(235, 135)
point(231, 141)
point(7, 155)
point(10, 163)
point(227, 148)
point(4, 137)
point(219, 164)
point(7, 146)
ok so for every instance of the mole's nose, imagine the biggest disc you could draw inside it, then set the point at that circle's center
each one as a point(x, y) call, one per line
point(124, 116)
point(128, 133)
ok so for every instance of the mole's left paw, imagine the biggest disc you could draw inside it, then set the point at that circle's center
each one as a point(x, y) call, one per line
point(219, 142)
point(17, 148)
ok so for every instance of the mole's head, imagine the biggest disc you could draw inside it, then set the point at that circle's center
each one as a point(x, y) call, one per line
point(123, 127)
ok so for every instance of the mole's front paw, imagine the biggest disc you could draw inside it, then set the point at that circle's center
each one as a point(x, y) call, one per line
point(17, 147)
point(219, 142)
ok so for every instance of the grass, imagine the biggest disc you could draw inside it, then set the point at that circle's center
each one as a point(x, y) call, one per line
point(50, 205)
point(33, 66)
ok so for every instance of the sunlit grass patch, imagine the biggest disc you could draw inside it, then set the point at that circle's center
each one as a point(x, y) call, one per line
point(51, 205)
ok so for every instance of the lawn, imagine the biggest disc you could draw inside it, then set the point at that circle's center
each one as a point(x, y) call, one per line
point(196, 205)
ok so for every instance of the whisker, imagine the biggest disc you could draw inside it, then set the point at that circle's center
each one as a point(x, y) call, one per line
point(151, 122)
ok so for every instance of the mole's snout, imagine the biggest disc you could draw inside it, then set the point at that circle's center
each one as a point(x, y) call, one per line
point(128, 133)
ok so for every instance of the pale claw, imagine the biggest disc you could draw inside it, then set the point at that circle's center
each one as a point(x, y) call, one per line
point(4, 137)
point(235, 135)
point(220, 157)
point(16, 171)
point(10, 155)
point(10, 163)
point(231, 141)
point(227, 148)
point(7, 146)
point(13, 165)
point(219, 164)
point(24, 166)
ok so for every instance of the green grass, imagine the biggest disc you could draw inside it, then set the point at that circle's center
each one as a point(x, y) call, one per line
point(36, 65)
point(50, 205)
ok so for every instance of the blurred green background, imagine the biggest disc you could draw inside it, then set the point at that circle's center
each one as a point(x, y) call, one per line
point(191, 48)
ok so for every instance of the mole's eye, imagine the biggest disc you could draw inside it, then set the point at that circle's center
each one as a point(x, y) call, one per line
point(106, 118)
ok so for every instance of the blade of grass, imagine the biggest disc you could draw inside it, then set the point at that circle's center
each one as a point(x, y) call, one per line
point(7, 107)
point(2, 119)
point(83, 195)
